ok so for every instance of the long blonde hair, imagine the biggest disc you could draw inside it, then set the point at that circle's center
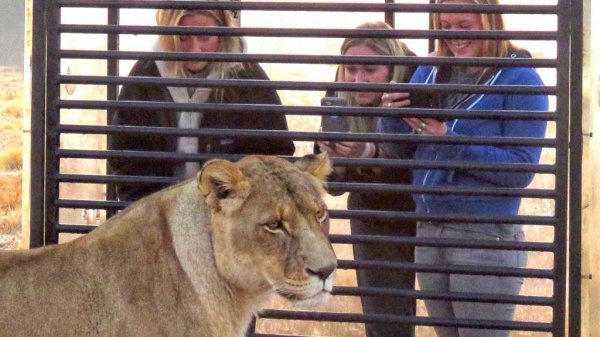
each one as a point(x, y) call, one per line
point(384, 47)
point(489, 21)
point(228, 44)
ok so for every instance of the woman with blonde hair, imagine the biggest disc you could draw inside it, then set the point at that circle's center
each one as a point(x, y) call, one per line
point(442, 205)
point(186, 119)
point(174, 43)
point(384, 278)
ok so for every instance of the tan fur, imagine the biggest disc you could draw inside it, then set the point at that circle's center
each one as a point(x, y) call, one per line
point(185, 261)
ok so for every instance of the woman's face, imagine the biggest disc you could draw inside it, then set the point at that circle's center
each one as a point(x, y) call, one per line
point(462, 21)
point(365, 74)
point(198, 43)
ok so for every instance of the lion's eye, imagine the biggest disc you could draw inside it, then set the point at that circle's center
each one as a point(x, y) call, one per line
point(321, 216)
point(274, 227)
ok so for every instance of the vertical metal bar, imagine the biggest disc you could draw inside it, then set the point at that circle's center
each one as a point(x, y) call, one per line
point(390, 16)
point(113, 44)
point(112, 90)
point(52, 121)
point(431, 41)
point(38, 122)
point(575, 162)
point(562, 172)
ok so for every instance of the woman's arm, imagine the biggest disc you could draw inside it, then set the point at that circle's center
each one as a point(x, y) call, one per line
point(129, 142)
point(262, 120)
point(395, 125)
point(510, 128)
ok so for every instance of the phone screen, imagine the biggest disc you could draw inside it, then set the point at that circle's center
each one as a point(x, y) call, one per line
point(334, 123)
point(422, 99)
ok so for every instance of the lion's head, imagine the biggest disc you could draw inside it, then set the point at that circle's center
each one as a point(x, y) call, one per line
point(270, 225)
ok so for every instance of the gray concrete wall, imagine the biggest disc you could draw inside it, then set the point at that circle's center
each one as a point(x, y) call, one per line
point(12, 32)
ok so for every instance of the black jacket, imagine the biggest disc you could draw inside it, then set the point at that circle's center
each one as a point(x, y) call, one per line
point(155, 92)
point(375, 200)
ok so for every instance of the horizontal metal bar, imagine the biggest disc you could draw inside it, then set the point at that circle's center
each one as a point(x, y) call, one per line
point(107, 179)
point(443, 190)
point(308, 59)
point(363, 214)
point(443, 218)
point(454, 296)
point(448, 165)
point(447, 269)
point(306, 136)
point(332, 187)
point(413, 320)
point(413, 241)
point(309, 110)
point(91, 204)
point(312, 6)
point(74, 229)
point(166, 156)
point(428, 242)
point(378, 239)
point(353, 162)
point(371, 187)
point(309, 32)
point(306, 85)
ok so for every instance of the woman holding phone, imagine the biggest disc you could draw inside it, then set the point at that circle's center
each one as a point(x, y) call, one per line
point(387, 278)
point(444, 204)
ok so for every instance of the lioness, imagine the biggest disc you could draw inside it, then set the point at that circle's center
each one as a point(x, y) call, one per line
point(196, 259)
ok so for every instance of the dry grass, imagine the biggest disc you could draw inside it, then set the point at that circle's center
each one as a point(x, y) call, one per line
point(10, 203)
point(11, 162)
point(12, 108)
point(11, 159)
point(11, 126)
point(11, 91)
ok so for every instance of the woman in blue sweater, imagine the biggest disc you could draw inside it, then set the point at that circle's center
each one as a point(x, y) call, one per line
point(489, 205)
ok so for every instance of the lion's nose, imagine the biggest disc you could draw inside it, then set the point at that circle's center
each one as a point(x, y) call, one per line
point(324, 272)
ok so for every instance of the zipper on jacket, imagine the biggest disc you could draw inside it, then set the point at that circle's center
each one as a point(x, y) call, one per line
point(431, 77)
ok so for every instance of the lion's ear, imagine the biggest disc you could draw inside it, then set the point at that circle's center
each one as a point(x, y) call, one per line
point(221, 180)
point(317, 165)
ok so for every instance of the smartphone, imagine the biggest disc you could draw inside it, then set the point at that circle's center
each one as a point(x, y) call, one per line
point(334, 101)
point(334, 123)
point(424, 99)
point(421, 99)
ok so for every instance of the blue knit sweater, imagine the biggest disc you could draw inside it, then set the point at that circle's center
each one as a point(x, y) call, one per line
point(445, 204)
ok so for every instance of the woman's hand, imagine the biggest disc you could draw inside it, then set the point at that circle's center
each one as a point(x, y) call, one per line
point(427, 126)
point(395, 100)
point(348, 149)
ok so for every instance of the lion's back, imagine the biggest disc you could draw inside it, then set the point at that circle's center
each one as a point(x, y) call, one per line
point(123, 279)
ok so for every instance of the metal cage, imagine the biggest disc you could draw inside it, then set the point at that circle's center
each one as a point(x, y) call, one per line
point(52, 148)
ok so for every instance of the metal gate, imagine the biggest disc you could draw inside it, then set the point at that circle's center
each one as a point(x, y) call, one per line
point(61, 159)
